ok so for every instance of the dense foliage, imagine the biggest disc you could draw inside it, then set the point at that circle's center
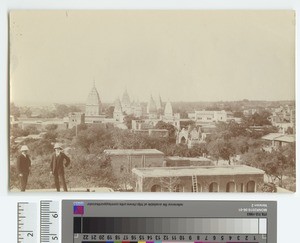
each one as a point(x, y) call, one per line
point(92, 169)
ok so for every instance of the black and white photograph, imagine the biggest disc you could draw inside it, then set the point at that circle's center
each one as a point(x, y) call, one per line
point(152, 101)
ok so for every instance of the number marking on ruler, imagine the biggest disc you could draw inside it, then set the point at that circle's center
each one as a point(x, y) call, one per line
point(27, 222)
point(49, 221)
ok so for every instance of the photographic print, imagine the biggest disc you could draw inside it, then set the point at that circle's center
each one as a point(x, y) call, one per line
point(152, 101)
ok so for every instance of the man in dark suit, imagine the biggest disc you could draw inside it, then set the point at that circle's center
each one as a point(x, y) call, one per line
point(23, 167)
point(57, 167)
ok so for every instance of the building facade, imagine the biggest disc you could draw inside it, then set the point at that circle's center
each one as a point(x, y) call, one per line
point(124, 160)
point(202, 117)
point(190, 136)
point(239, 178)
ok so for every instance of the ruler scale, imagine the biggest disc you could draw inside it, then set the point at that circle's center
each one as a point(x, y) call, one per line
point(49, 221)
point(27, 222)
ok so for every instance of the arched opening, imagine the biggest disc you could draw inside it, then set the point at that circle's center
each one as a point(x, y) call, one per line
point(183, 140)
point(251, 186)
point(156, 188)
point(178, 188)
point(230, 187)
point(213, 187)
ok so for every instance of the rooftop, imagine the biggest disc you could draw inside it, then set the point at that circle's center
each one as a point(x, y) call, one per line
point(272, 136)
point(286, 138)
point(280, 137)
point(195, 159)
point(132, 151)
point(199, 171)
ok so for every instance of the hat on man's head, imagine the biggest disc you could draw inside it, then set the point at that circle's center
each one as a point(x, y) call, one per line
point(57, 146)
point(24, 148)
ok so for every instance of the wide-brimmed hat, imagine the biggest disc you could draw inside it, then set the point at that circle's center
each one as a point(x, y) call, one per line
point(24, 148)
point(57, 146)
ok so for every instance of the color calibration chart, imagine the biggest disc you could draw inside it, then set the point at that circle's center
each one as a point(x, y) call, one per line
point(169, 221)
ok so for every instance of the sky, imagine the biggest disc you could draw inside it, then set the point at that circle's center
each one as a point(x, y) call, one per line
point(55, 56)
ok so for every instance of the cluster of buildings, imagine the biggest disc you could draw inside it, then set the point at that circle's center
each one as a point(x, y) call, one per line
point(275, 141)
point(151, 171)
point(284, 118)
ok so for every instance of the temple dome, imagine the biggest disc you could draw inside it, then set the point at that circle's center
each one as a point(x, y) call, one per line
point(118, 106)
point(159, 105)
point(93, 97)
point(125, 99)
point(151, 108)
point(168, 109)
point(93, 105)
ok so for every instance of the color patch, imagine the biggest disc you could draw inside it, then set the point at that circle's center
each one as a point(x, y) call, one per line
point(78, 208)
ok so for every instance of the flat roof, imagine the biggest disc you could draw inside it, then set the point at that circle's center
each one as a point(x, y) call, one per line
point(280, 137)
point(195, 159)
point(158, 130)
point(272, 136)
point(132, 151)
point(286, 138)
point(195, 170)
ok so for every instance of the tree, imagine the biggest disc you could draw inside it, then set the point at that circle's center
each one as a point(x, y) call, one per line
point(163, 125)
point(128, 120)
point(109, 112)
point(186, 124)
point(221, 148)
point(63, 110)
point(290, 130)
point(126, 180)
point(32, 129)
point(18, 132)
point(277, 164)
point(238, 114)
point(14, 110)
point(198, 150)
point(51, 127)
point(169, 184)
point(95, 134)
point(258, 119)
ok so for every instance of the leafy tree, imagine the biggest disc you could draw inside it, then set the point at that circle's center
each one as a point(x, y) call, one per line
point(258, 119)
point(238, 114)
point(14, 110)
point(197, 150)
point(63, 110)
point(18, 132)
point(128, 120)
point(186, 124)
point(51, 127)
point(109, 112)
point(95, 134)
point(277, 164)
point(221, 148)
point(169, 184)
point(184, 115)
point(32, 129)
point(163, 125)
point(290, 130)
